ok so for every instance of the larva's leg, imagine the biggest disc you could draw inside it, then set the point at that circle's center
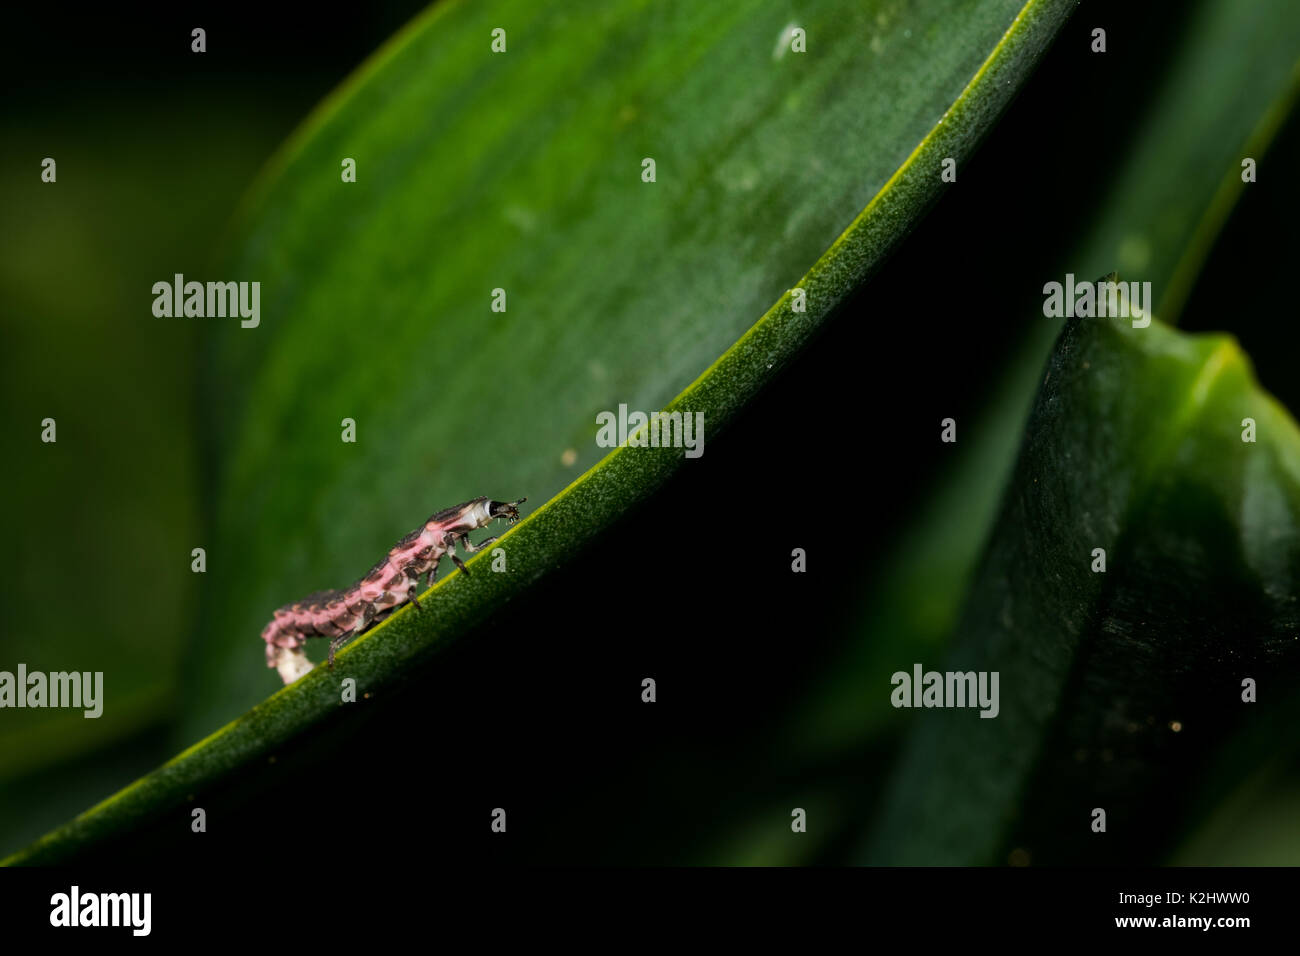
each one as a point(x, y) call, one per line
point(450, 544)
point(470, 547)
point(414, 577)
point(371, 618)
point(335, 644)
point(375, 618)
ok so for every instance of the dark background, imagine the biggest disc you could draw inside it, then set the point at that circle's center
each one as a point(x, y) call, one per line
point(544, 719)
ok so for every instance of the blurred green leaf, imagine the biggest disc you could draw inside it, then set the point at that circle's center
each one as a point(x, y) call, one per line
point(113, 504)
point(1232, 82)
point(1242, 811)
point(522, 171)
point(1116, 688)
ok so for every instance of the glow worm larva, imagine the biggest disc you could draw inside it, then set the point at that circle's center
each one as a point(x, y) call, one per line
point(340, 615)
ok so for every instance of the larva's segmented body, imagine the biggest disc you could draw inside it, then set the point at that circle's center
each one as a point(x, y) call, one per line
point(392, 582)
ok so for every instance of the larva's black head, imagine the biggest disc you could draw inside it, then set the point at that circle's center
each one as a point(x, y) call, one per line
point(505, 509)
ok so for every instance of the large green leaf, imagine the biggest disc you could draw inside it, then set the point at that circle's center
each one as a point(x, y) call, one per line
point(1117, 688)
point(522, 171)
point(517, 171)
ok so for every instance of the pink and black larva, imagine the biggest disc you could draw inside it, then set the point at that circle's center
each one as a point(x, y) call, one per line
point(392, 582)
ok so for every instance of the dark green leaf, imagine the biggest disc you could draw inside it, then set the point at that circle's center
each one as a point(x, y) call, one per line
point(1116, 688)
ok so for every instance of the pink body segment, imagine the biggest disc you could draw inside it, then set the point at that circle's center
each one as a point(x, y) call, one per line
point(392, 582)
